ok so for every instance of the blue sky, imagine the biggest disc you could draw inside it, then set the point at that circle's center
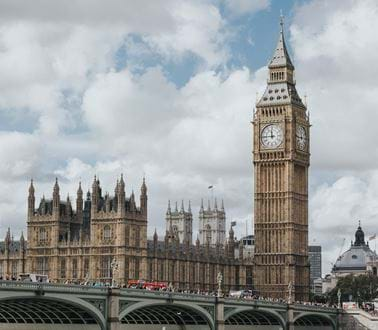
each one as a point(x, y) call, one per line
point(167, 88)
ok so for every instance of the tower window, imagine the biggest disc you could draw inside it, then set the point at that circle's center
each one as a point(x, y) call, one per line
point(107, 232)
point(42, 236)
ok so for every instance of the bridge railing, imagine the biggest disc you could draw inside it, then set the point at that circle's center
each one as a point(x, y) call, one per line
point(19, 285)
point(167, 295)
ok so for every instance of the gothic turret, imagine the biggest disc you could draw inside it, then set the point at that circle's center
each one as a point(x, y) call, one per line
point(168, 208)
point(121, 197)
point(22, 242)
point(107, 203)
point(68, 207)
point(8, 239)
point(56, 199)
point(31, 200)
point(95, 196)
point(79, 204)
point(132, 202)
point(143, 197)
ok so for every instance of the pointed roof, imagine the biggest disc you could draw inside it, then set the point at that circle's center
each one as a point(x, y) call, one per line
point(31, 188)
point(56, 186)
point(79, 190)
point(144, 186)
point(281, 55)
point(169, 207)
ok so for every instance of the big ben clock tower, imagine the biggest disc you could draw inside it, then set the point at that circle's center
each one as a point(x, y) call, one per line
point(281, 158)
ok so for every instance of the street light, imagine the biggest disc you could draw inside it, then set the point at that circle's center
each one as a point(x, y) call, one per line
point(339, 298)
point(114, 267)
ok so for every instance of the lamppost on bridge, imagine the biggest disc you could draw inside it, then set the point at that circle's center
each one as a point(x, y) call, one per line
point(290, 289)
point(339, 298)
point(114, 267)
point(219, 280)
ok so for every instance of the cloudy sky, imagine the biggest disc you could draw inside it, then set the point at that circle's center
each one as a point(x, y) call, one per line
point(166, 89)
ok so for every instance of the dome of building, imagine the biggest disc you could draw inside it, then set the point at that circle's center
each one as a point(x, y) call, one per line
point(356, 258)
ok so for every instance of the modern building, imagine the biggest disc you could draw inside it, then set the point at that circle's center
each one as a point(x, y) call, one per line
point(315, 259)
point(281, 158)
point(85, 243)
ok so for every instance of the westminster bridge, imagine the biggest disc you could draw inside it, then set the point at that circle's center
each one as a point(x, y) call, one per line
point(35, 306)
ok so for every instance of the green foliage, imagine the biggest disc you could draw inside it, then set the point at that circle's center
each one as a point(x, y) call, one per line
point(361, 288)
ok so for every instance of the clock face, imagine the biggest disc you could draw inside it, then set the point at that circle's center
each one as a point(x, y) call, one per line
point(301, 137)
point(271, 136)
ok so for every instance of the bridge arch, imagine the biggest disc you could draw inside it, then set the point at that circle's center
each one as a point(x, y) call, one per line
point(247, 316)
point(310, 319)
point(169, 313)
point(51, 311)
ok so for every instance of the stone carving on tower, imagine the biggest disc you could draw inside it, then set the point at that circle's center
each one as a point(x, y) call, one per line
point(212, 225)
point(281, 159)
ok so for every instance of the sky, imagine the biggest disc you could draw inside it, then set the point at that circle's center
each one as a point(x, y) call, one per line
point(166, 89)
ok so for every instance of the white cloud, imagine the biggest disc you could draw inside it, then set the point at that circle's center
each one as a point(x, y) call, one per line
point(334, 45)
point(335, 67)
point(19, 155)
point(242, 7)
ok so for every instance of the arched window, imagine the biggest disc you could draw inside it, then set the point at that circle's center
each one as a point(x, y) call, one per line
point(74, 268)
point(42, 235)
point(375, 271)
point(208, 234)
point(107, 233)
point(63, 268)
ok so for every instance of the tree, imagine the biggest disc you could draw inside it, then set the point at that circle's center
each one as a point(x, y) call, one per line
point(361, 288)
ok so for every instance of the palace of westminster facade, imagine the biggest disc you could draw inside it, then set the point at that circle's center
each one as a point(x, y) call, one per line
point(68, 244)
point(81, 245)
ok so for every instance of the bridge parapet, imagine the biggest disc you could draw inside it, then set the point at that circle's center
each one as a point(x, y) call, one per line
point(50, 287)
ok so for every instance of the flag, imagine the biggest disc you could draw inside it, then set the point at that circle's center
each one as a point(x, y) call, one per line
point(233, 223)
point(372, 237)
point(209, 187)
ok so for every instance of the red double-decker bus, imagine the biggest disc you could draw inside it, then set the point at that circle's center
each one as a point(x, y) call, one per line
point(141, 284)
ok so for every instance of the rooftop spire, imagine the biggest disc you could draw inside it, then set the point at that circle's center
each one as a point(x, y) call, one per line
point(281, 55)
point(169, 207)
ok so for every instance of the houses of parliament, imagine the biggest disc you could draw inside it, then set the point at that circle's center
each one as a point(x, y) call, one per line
point(79, 243)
